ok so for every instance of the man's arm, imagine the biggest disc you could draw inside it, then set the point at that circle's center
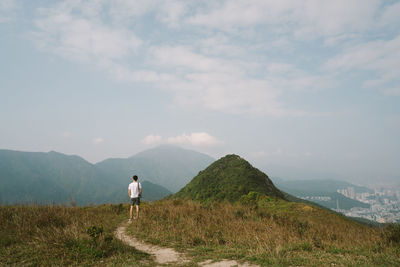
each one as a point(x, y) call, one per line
point(129, 192)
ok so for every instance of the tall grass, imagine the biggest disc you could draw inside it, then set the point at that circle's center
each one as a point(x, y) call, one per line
point(266, 232)
point(271, 231)
point(59, 235)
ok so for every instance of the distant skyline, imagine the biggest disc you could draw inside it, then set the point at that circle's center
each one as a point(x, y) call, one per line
point(301, 89)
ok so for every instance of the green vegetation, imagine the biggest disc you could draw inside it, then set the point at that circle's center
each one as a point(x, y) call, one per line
point(228, 179)
point(257, 228)
point(266, 231)
point(392, 234)
point(59, 235)
point(230, 210)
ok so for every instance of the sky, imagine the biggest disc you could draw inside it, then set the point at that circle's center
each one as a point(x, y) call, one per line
point(301, 89)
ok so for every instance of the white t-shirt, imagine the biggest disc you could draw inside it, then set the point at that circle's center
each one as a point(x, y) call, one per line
point(134, 187)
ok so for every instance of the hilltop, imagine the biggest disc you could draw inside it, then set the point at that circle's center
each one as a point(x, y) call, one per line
point(228, 178)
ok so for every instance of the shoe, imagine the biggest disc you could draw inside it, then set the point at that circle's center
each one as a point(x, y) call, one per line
point(130, 220)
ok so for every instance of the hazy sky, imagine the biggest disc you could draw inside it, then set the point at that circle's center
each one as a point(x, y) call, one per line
point(299, 88)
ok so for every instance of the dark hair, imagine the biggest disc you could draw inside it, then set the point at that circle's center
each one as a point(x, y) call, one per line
point(135, 177)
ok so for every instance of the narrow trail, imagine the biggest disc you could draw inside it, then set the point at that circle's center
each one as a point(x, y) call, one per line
point(162, 255)
point(169, 255)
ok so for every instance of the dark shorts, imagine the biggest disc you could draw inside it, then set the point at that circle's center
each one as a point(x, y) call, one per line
point(135, 201)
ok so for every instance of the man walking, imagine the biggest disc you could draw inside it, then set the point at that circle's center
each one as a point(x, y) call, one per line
point(135, 192)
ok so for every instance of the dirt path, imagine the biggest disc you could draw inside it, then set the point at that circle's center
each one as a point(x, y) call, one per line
point(163, 255)
point(168, 255)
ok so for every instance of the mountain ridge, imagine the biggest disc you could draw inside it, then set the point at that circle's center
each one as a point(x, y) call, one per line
point(54, 177)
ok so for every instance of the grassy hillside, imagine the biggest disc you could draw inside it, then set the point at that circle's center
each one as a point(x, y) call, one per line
point(64, 236)
point(266, 231)
point(262, 230)
point(228, 179)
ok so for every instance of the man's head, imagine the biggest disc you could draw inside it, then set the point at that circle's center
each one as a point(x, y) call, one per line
point(135, 178)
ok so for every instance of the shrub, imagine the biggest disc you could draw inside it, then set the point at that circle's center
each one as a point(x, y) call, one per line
point(94, 231)
point(302, 227)
point(317, 242)
point(197, 241)
point(306, 246)
point(118, 209)
point(391, 234)
point(252, 198)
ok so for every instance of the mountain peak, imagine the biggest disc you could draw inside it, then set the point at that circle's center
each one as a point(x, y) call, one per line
point(228, 179)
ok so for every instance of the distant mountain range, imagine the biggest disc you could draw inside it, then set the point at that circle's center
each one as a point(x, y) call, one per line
point(169, 166)
point(53, 177)
point(37, 177)
point(323, 188)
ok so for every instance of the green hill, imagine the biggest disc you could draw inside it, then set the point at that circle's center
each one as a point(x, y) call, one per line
point(228, 178)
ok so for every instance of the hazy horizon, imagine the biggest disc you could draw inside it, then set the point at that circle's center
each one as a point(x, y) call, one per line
point(285, 173)
point(301, 89)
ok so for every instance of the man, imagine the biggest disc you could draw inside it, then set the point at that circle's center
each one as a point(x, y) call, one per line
point(135, 192)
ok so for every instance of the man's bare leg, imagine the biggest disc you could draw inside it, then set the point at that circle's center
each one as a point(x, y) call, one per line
point(131, 213)
point(137, 211)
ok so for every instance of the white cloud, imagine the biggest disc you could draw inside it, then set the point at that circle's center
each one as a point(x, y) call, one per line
point(180, 56)
point(220, 45)
point(171, 12)
point(229, 93)
point(392, 91)
point(152, 139)
point(7, 10)
point(334, 18)
point(382, 57)
point(390, 16)
point(75, 30)
point(197, 139)
point(194, 139)
point(213, 83)
point(167, 12)
point(98, 140)
point(304, 19)
point(207, 71)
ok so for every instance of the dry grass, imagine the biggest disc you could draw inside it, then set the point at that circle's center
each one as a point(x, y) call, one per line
point(269, 232)
point(58, 235)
